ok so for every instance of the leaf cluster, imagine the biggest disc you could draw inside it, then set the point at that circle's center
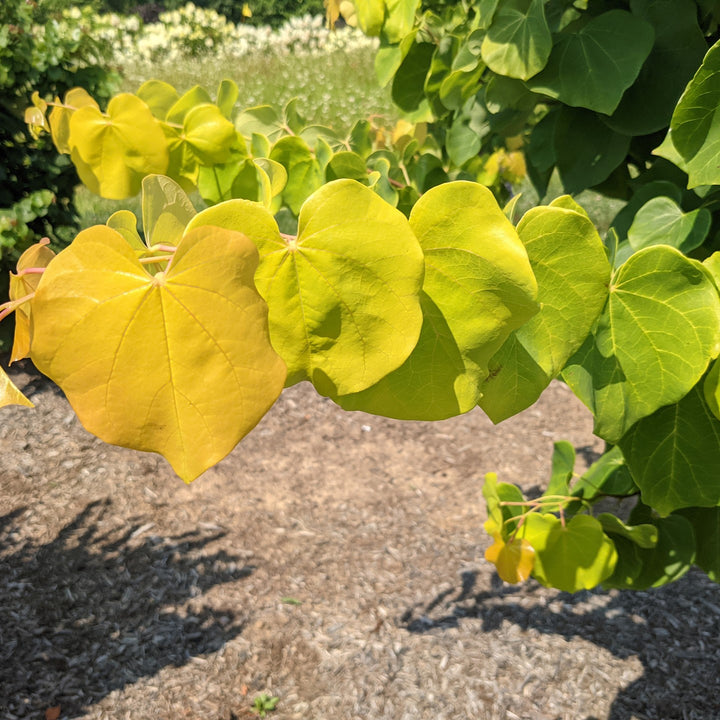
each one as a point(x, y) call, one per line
point(379, 266)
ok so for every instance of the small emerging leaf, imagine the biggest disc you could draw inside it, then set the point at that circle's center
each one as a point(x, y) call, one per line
point(513, 560)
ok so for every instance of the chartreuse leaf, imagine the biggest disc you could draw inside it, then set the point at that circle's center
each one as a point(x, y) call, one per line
point(478, 287)
point(662, 221)
point(346, 164)
point(59, 117)
point(518, 42)
point(370, 15)
point(125, 222)
point(706, 529)
point(399, 18)
point(592, 67)
point(206, 138)
point(500, 514)
point(674, 453)
point(652, 343)
point(695, 125)
point(304, 174)
point(23, 284)
point(9, 393)
point(166, 210)
point(572, 271)
point(190, 99)
point(227, 96)
point(113, 152)
point(648, 104)
point(178, 363)
point(342, 296)
point(570, 557)
point(246, 217)
point(159, 96)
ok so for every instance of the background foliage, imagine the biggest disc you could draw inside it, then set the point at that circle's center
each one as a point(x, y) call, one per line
point(36, 184)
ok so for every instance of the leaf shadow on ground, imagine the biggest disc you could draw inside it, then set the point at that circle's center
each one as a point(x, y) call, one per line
point(101, 606)
point(674, 631)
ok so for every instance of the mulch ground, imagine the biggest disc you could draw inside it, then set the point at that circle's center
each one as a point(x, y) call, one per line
point(334, 560)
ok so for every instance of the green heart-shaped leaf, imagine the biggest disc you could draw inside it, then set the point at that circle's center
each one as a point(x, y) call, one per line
point(653, 342)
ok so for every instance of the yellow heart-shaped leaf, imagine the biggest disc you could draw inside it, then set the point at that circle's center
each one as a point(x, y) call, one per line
point(24, 284)
point(112, 153)
point(178, 362)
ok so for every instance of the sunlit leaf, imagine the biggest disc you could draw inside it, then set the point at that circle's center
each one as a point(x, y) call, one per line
point(166, 210)
point(9, 393)
point(576, 556)
point(59, 117)
point(113, 153)
point(227, 96)
point(206, 138)
point(125, 222)
point(370, 15)
point(572, 271)
point(189, 100)
point(513, 559)
point(159, 96)
point(695, 124)
point(178, 362)
point(343, 295)
point(478, 287)
point(23, 284)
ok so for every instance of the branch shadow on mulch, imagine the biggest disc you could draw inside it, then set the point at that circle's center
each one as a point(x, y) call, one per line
point(674, 631)
point(96, 609)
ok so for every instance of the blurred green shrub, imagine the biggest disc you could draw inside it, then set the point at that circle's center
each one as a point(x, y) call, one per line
point(44, 49)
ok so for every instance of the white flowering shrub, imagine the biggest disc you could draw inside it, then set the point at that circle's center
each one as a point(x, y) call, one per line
point(197, 32)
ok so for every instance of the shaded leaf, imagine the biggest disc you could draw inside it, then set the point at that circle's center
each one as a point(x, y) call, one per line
point(518, 42)
point(662, 221)
point(673, 455)
point(594, 66)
